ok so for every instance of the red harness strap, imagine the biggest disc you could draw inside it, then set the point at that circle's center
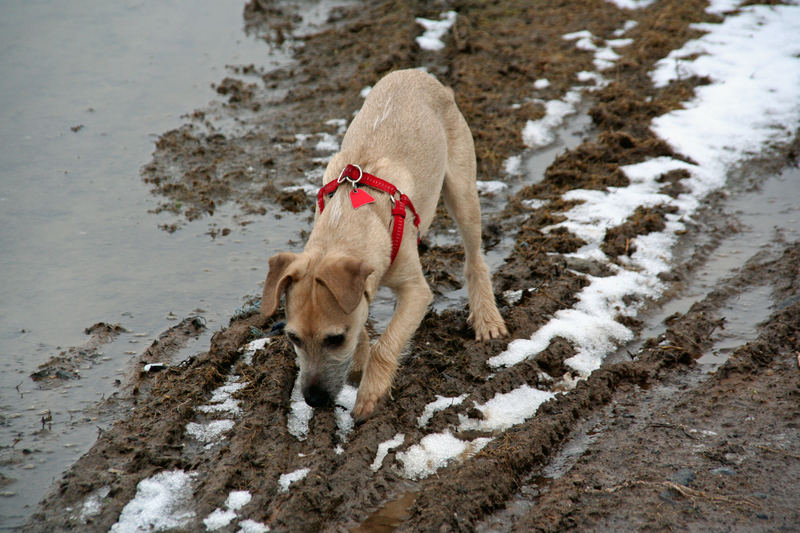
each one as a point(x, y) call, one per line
point(356, 176)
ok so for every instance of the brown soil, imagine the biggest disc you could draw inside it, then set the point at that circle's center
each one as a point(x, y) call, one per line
point(645, 416)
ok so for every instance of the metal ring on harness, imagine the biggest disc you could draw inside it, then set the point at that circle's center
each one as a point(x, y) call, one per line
point(342, 177)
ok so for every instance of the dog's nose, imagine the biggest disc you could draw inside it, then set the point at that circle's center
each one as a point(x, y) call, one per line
point(316, 396)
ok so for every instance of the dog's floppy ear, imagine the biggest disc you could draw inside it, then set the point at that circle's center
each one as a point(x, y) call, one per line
point(345, 278)
point(282, 267)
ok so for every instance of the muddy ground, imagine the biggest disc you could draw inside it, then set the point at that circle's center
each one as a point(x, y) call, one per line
point(666, 446)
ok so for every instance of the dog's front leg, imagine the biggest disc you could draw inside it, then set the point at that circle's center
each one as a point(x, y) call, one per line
point(413, 299)
point(360, 358)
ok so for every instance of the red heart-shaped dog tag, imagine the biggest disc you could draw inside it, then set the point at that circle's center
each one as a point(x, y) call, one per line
point(359, 197)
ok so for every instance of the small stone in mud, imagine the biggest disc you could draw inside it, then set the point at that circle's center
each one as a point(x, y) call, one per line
point(683, 477)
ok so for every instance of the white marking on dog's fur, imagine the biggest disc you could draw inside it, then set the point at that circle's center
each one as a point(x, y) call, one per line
point(387, 108)
point(333, 206)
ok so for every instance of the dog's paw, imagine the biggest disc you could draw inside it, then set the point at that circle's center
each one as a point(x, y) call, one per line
point(493, 328)
point(364, 407)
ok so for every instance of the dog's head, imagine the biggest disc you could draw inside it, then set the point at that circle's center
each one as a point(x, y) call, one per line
point(326, 309)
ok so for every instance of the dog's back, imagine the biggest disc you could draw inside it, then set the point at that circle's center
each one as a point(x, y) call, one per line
point(407, 117)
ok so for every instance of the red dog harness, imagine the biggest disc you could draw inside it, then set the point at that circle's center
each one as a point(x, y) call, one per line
point(356, 177)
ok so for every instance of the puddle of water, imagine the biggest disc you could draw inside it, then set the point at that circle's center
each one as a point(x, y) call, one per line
point(77, 121)
point(764, 214)
point(569, 454)
point(742, 313)
point(389, 516)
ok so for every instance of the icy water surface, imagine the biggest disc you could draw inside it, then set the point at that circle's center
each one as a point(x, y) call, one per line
point(85, 88)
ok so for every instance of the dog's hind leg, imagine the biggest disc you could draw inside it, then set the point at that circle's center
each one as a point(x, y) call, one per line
point(461, 199)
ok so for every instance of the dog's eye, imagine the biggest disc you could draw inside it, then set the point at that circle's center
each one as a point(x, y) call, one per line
point(294, 339)
point(333, 341)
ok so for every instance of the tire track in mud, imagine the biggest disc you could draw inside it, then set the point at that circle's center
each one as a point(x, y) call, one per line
point(491, 66)
point(705, 471)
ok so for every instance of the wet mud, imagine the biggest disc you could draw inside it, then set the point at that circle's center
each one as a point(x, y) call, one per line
point(66, 365)
point(672, 446)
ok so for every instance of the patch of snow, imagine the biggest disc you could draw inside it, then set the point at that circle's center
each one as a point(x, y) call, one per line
point(307, 188)
point(541, 83)
point(221, 400)
point(632, 4)
point(628, 26)
point(752, 100)
point(506, 409)
point(439, 404)
point(219, 518)
point(327, 143)
point(513, 296)
point(238, 499)
point(292, 477)
point(300, 413)
point(601, 210)
point(251, 526)
point(340, 123)
point(209, 432)
point(533, 203)
point(221, 394)
point(586, 76)
point(252, 347)
point(604, 56)
point(589, 325)
point(345, 402)
point(435, 451)
point(431, 39)
point(383, 450)
point(540, 133)
point(161, 502)
point(512, 165)
point(229, 406)
point(580, 35)
point(490, 187)
point(93, 503)
point(719, 7)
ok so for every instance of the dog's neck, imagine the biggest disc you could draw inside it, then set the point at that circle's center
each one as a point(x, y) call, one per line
point(363, 232)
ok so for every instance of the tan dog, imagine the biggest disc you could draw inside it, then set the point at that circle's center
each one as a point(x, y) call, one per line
point(409, 133)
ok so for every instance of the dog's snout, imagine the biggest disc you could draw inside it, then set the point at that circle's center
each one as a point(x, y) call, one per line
point(316, 396)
